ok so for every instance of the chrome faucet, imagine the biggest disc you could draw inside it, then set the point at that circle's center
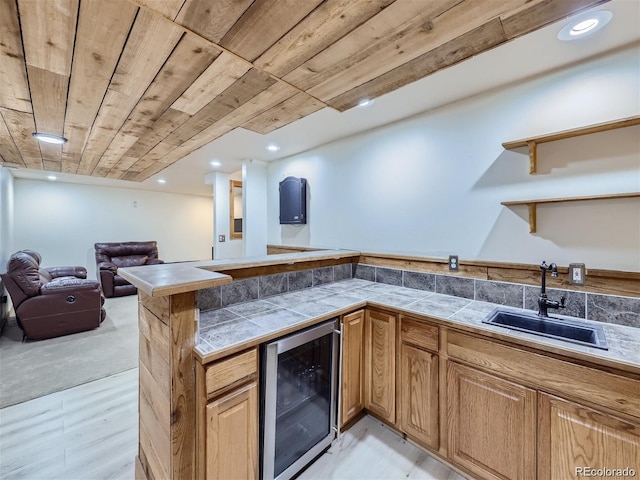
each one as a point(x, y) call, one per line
point(543, 302)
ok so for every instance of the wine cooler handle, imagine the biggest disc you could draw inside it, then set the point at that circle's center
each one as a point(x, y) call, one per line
point(339, 415)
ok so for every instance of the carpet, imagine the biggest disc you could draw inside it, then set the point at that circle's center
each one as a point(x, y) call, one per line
point(36, 368)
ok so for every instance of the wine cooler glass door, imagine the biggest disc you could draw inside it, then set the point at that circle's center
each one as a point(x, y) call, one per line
point(299, 400)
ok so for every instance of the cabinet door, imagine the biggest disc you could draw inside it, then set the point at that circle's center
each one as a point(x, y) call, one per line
point(380, 354)
point(419, 394)
point(232, 435)
point(573, 438)
point(352, 365)
point(491, 424)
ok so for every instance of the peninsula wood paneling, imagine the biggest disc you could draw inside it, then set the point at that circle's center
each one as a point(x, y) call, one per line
point(135, 85)
point(167, 385)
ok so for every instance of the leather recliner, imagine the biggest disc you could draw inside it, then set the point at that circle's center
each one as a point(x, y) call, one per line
point(50, 302)
point(111, 256)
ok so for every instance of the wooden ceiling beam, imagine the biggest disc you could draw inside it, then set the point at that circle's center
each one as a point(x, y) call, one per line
point(538, 13)
point(14, 88)
point(328, 23)
point(103, 28)
point(151, 41)
point(485, 37)
point(48, 33)
point(263, 24)
point(10, 152)
point(290, 110)
point(213, 20)
point(21, 126)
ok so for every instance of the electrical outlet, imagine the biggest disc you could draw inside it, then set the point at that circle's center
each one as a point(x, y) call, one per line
point(576, 273)
point(221, 238)
point(453, 263)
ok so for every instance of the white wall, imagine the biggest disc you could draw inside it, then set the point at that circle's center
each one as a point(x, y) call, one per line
point(432, 185)
point(62, 221)
point(254, 182)
point(6, 216)
point(6, 226)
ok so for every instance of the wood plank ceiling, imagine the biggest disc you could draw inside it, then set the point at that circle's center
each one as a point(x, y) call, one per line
point(136, 85)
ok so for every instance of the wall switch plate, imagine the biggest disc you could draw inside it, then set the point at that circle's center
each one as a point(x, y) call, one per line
point(576, 273)
point(221, 238)
point(453, 263)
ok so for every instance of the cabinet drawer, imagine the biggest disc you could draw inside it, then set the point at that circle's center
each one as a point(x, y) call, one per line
point(230, 372)
point(419, 333)
point(545, 373)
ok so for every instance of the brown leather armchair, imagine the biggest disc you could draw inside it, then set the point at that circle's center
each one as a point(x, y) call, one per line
point(111, 256)
point(50, 302)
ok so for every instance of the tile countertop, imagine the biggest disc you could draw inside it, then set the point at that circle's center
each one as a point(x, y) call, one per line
point(236, 327)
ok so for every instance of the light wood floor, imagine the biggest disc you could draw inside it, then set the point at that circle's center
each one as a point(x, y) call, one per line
point(370, 450)
point(91, 432)
point(85, 432)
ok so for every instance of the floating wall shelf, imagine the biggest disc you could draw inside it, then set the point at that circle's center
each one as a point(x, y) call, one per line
point(533, 142)
point(533, 204)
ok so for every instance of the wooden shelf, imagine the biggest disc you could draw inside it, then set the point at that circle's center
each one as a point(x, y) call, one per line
point(532, 142)
point(532, 204)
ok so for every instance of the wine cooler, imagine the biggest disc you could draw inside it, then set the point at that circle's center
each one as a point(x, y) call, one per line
point(298, 409)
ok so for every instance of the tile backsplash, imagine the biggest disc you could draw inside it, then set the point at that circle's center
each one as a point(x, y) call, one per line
point(592, 306)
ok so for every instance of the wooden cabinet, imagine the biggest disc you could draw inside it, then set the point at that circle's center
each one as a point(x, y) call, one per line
point(418, 376)
point(228, 414)
point(352, 398)
point(380, 365)
point(232, 435)
point(572, 436)
point(419, 394)
point(491, 424)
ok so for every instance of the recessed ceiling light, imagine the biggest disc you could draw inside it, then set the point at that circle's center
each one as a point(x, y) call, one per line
point(272, 147)
point(584, 25)
point(366, 102)
point(161, 180)
point(49, 138)
point(52, 177)
point(215, 163)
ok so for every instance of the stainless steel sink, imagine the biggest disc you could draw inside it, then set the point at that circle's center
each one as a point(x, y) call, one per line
point(590, 335)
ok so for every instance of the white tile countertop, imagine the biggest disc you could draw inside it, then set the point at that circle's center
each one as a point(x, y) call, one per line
point(243, 325)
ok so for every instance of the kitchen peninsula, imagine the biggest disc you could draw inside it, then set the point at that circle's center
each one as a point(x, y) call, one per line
point(419, 360)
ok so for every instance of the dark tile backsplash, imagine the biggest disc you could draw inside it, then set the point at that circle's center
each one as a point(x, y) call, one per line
point(390, 276)
point(240, 291)
point(419, 280)
point(272, 285)
point(502, 293)
point(300, 280)
point(364, 272)
point(322, 276)
point(612, 309)
point(209, 298)
point(602, 308)
point(341, 272)
point(458, 286)
point(575, 303)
